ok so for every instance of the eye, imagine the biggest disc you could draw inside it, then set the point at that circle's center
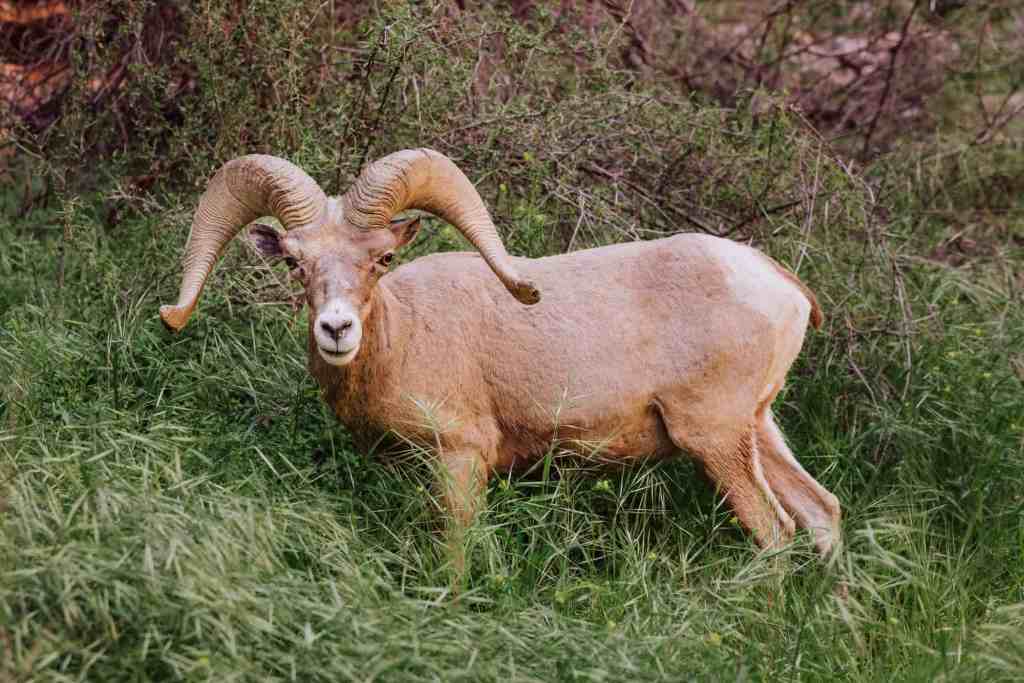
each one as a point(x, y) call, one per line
point(386, 259)
point(295, 271)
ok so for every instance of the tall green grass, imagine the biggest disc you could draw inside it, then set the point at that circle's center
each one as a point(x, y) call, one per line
point(185, 507)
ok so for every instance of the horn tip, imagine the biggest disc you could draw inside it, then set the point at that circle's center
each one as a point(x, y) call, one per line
point(175, 317)
point(526, 292)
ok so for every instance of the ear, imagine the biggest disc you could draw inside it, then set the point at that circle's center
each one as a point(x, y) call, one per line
point(405, 231)
point(266, 240)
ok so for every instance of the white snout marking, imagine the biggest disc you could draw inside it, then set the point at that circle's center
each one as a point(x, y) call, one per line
point(337, 331)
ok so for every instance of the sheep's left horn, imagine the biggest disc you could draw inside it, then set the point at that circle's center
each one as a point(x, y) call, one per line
point(428, 180)
point(243, 190)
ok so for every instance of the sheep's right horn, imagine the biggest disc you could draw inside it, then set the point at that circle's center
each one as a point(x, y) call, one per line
point(243, 190)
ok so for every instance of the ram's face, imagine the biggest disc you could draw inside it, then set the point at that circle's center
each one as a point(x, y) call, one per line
point(339, 269)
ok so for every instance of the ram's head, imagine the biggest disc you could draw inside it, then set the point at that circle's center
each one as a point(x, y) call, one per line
point(337, 248)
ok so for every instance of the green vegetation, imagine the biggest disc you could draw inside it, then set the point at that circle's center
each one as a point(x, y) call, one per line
point(184, 507)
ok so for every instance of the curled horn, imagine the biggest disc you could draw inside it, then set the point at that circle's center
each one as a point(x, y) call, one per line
point(243, 190)
point(428, 180)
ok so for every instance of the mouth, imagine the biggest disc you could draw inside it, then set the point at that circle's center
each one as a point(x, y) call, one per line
point(337, 357)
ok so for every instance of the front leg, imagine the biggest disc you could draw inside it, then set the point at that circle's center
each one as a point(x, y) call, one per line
point(462, 480)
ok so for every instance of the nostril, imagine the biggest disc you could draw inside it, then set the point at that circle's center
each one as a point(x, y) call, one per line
point(336, 329)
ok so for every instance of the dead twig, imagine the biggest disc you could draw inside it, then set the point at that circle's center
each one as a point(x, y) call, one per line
point(383, 104)
point(888, 79)
point(594, 169)
point(763, 213)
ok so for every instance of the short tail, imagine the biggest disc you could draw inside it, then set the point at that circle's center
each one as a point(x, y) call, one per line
point(816, 317)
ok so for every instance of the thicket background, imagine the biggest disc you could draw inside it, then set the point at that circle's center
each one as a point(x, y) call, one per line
point(183, 507)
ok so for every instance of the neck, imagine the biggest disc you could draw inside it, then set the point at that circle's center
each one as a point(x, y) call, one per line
point(343, 386)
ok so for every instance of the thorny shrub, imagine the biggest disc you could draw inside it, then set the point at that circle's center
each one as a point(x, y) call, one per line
point(124, 75)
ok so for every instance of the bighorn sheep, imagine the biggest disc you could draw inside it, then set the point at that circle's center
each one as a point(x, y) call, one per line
point(643, 349)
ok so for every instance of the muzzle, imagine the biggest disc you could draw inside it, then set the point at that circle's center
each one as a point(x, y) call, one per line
point(337, 331)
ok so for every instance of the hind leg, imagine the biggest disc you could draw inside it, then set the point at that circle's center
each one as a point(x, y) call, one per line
point(813, 507)
point(730, 458)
